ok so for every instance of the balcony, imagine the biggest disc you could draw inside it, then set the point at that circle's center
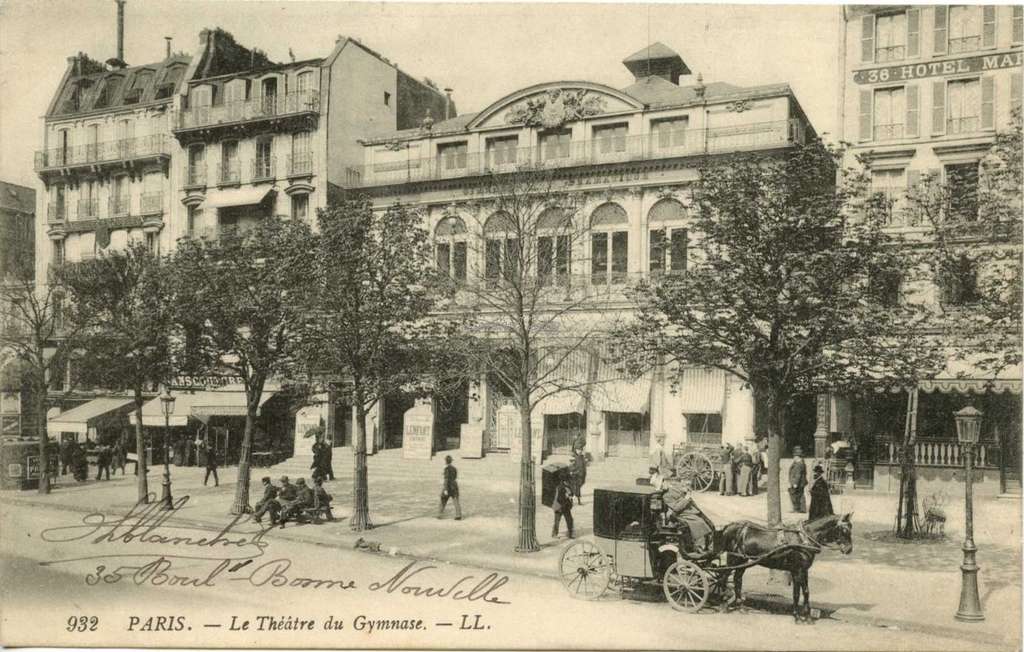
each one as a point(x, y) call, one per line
point(300, 164)
point(88, 209)
point(964, 44)
point(938, 453)
point(291, 109)
point(100, 155)
point(56, 212)
point(263, 169)
point(691, 142)
point(889, 132)
point(195, 175)
point(890, 53)
point(608, 289)
point(966, 125)
point(229, 174)
point(119, 206)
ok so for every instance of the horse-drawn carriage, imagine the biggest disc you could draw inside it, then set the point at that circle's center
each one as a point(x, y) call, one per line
point(634, 545)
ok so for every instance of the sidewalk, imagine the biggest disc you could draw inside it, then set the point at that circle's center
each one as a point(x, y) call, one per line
point(880, 584)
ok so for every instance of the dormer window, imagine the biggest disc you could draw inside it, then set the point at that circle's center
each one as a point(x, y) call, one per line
point(170, 81)
point(140, 82)
point(108, 92)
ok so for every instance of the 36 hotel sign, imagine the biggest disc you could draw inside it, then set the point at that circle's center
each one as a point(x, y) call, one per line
point(910, 71)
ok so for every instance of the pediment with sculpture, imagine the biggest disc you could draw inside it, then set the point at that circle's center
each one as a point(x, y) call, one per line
point(549, 106)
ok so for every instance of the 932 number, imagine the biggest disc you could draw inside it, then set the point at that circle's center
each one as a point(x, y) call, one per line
point(83, 623)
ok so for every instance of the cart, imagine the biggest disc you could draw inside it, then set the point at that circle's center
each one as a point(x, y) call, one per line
point(693, 462)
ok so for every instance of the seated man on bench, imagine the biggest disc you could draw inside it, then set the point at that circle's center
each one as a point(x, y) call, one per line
point(304, 498)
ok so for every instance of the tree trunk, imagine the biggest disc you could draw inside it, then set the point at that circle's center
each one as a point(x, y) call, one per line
point(241, 504)
point(360, 494)
point(776, 419)
point(527, 492)
point(906, 512)
point(44, 439)
point(140, 451)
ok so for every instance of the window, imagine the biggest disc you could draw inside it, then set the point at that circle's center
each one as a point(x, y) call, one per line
point(125, 135)
point(170, 81)
point(387, 98)
point(958, 281)
point(119, 196)
point(300, 207)
point(304, 82)
point(704, 425)
point(890, 38)
point(264, 163)
point(962, 184)
point(58, 313)
point(889, 112)
point(555, 144)
point(887, 188)
point(58, 252)
point(452, 155)
point(554, 256)
point(964, 29)
point(609, 244)
point(450, 248)
point(610, 139)
point(302, 158)
point(229, 172)
point(140, 82)
point(964, 102)
point(669, 133)
point(92, 147)
point(668, 238)
point(502, 151)
point(501, 249)
point(153, 244)
point(195, 218)
point(107, 92)
point(63, 147)
point(196, 165)
point(72, 101)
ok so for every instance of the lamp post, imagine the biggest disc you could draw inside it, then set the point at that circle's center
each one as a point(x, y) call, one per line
point(167, 405)
point(968, 428)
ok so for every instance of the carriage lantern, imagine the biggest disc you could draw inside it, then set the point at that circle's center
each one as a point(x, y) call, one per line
point(968, 429)
point(167, 407)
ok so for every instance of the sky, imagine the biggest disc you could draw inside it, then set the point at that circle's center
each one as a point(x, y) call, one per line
point(482, 50)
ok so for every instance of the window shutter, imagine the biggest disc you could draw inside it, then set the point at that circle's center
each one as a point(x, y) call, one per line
point(913, 32)
point(866, 97)
point(938, 107)
point(913, 214)
point(1015, 87)
point(988, 102)
point(1018, 23)
point(867, 38)
point(988, 26)
point(913, 111)
point(941, 29)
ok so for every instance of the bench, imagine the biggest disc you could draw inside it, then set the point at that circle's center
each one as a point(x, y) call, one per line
point(315, 514)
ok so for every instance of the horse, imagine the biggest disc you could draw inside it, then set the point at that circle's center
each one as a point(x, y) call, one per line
point(796, 548)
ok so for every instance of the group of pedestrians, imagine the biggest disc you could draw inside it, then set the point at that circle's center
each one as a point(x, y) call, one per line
point(74, 457)
point(288, 501)
point(821, 499)
point(740, 468)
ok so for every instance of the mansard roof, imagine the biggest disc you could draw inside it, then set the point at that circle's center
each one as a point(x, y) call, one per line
point(85, 89)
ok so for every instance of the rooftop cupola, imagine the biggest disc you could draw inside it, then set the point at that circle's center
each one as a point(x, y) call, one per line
point(656, 60)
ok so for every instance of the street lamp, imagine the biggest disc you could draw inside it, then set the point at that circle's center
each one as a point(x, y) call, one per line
point(167, 405)
point(968, 428)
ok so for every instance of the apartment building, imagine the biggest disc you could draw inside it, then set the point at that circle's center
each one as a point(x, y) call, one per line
point(632, 153)
point(925, 90)
point(17, 250)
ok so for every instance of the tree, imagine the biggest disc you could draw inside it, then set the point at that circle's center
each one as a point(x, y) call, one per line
point(371, 331)
point(784, 290)
point(239, 309)
point(34, 329)
point(531, 310)
point(121, 305)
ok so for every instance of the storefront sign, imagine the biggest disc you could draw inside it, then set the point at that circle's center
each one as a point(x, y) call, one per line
point(418, 432)
point(205, 382)
point(911, 71)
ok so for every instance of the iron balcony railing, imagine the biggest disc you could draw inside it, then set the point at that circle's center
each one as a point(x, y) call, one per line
point(88, 208)
point(229, 173)
point(152, 203)
point(195, 175)
point(259, 108)
point(452, 164)
point(56, 212)
point(965, 125)
point(889, 131)
point(300, 164)
point(264, 168)
point(108, 152)
point(964, 44)
point(890, 53)
point(119, 206)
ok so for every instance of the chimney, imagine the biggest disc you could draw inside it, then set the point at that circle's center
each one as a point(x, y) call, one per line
point(448, 103)
point(120, 30)
point(168, 39)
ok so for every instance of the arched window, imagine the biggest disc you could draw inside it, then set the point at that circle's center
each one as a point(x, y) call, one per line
point(501, 248)
point(667, 237)
point(609, 244)
point(554, 247)
point(450, 248)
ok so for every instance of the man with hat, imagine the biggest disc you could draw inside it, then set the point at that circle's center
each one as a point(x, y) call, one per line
point(659, 457)
point(797, 481)
point(303, 498)
point(267, 504)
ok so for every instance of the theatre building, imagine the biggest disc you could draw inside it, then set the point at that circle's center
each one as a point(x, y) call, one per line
point(925, 90)
point(631, 153)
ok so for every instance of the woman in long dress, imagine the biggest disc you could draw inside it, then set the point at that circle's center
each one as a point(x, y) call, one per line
point(821, 501)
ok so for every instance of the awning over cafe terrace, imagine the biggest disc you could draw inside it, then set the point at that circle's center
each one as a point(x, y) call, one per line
point(966, 375)
point(227, 401)
point(702, 391)
point(615, 391)
point(88, 415)
point(565, 374)
point(228, 197)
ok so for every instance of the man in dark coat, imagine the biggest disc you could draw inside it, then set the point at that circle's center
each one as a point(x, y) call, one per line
point(211, 464)
point(746, 464)
point(797, 481)
point(67, 455)
point(304, 497)
point(267, 503)
point(725, 486)
point(450, 488)
point(821, 501)
point(578, 472)
point(562, 506)
point(737, 463)
point(103, 458)
point(323, 499)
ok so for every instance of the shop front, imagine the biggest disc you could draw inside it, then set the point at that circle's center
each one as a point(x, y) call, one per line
point(99, 421)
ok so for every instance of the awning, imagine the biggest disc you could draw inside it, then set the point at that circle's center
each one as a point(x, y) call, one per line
point(968, 375)
point(237, 197)
point(566, 376)
point(614, 391)
point(83, 417)
point(228, 401)
point(702, 390)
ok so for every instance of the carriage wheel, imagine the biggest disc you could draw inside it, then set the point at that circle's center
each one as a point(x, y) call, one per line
point(696, 469)
point(585, 570)
point(686, 586)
